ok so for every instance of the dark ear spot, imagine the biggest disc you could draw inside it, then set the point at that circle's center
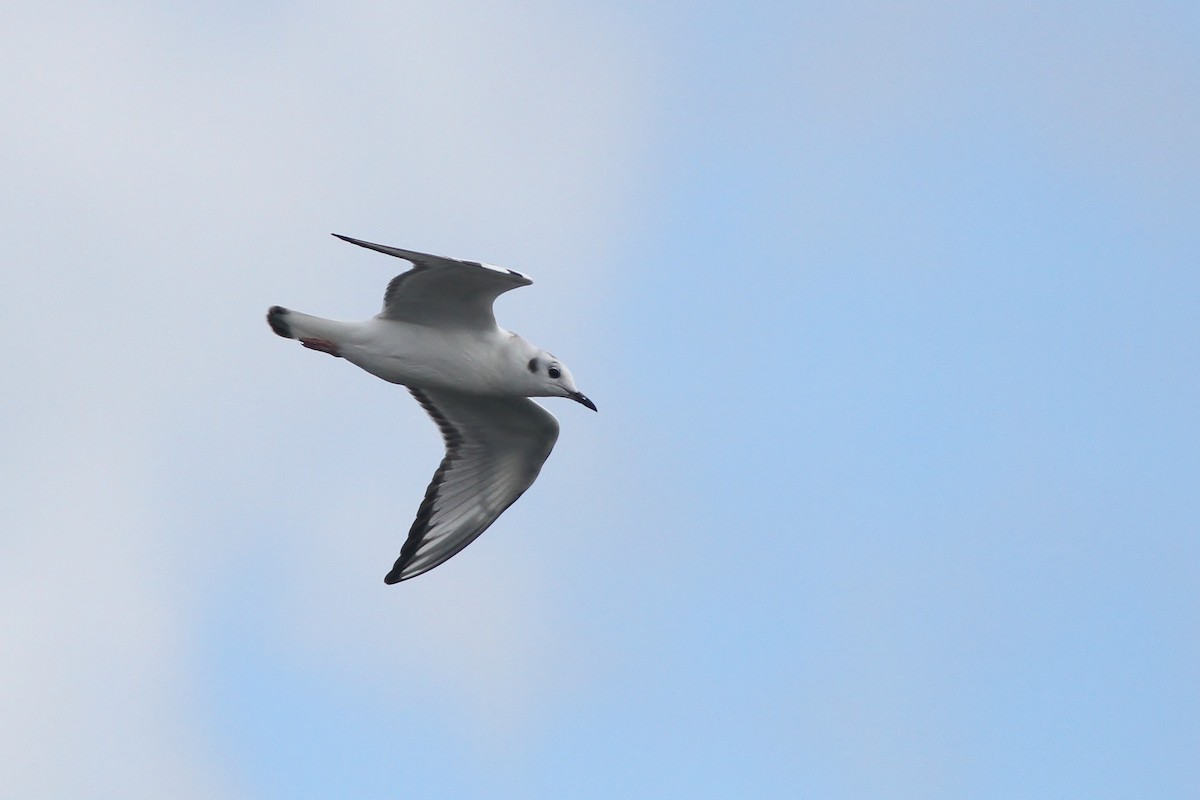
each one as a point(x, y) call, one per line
point(533, 365)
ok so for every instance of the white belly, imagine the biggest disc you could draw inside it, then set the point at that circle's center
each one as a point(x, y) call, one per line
point(419, 356)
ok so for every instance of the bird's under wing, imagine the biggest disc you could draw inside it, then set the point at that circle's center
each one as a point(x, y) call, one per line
point(495, 447)
point(443, 292)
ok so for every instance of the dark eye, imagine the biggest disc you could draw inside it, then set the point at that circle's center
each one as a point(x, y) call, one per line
point(554, 372)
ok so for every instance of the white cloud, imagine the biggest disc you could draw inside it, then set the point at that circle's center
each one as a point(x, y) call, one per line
point(167, 178)
point(94, 681)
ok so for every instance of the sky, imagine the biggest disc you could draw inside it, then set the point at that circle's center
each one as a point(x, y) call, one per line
point(889, 310)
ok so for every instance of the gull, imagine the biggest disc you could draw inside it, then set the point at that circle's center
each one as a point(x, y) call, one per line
point(437, 335)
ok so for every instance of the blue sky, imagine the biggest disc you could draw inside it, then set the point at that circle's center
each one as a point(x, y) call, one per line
point(889, 311)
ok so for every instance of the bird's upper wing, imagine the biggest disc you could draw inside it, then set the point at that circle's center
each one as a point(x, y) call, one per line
point(495, 447)
point(444, 292)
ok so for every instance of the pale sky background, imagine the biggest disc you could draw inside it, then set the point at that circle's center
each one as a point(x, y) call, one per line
point(890, 311)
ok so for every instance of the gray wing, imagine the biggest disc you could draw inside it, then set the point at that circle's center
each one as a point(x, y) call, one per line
point(495, 447)
point(443, 292)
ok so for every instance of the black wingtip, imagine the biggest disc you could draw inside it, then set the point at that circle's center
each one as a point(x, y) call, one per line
point(277, 319)
point(378, 248)
point(392, 577)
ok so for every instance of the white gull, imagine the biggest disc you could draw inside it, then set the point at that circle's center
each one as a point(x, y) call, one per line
point(437, 335)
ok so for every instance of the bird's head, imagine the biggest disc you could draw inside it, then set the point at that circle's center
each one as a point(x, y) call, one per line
point(552, 379)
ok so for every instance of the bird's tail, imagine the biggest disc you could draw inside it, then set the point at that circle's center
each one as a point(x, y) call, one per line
point(296, 325)
point(277, 318)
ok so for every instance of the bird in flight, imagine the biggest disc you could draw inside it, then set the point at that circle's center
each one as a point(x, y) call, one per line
point(437, 336)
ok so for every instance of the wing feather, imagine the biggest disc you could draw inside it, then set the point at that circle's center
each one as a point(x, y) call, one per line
point(495, 447)
point(443, 292)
